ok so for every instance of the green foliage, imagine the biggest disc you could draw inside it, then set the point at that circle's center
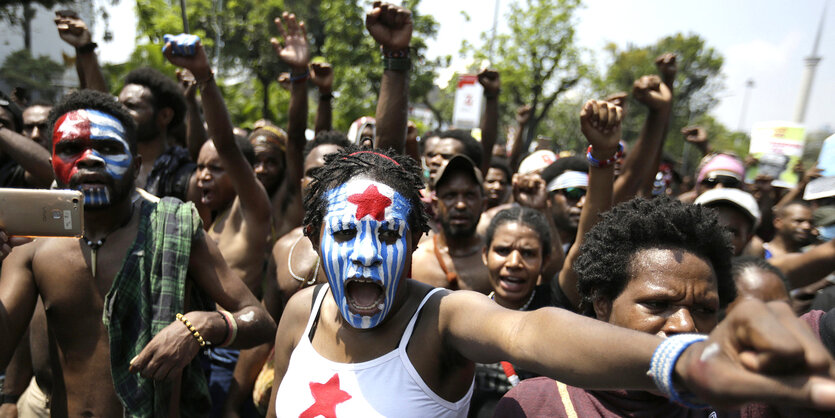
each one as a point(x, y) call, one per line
point(21, 69)
point(538, 60)
point(697, 83)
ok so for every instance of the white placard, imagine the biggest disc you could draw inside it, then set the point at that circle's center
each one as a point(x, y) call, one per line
point(468, 98)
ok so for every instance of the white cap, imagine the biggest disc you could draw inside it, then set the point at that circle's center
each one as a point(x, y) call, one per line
point(536, 161)
point(569, 179)
point(736, 197)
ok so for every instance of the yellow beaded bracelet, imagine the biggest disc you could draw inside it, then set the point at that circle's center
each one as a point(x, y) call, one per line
point(182, 318)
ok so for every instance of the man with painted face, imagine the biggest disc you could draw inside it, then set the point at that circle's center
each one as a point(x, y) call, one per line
point(372, 342)
point(451, 257)
point(113, 297)
point(156, 104)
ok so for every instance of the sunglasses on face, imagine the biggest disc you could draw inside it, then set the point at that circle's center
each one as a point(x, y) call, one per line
point(572, 193)
point(725, 181)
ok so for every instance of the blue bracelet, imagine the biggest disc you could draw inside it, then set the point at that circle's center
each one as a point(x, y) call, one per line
point(603, 164)
point(662, 366)
point(301, 77)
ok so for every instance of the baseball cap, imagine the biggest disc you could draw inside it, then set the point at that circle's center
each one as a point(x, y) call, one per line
point(538, 160)
point(459, 162)
point(722, 165)
point(743, 200)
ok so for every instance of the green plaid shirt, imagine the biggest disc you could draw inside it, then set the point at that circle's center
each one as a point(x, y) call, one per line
point(146, 295)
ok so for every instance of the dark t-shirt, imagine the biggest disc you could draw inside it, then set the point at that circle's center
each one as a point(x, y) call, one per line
point(171, 173)
point(11, 173)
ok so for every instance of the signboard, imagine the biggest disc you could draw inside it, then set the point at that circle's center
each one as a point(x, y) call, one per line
point(778, 146)
point(468, 98)
point(824, 186)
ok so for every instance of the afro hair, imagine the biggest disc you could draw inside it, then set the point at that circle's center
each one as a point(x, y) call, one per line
point(91, 99)
point(166, 92)
point(604, 266)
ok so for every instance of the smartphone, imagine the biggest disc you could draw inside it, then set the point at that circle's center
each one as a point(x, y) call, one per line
point(42, 213)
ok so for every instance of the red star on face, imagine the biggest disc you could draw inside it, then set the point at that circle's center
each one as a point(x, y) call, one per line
point(327, 396)
point(370, 202)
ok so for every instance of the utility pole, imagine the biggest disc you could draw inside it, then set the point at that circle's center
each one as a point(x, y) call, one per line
point(749, 85)
point(809, 74)
point(493, 35)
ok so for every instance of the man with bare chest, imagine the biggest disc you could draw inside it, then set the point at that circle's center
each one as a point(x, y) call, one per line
point(116, 312)
point(451, 258)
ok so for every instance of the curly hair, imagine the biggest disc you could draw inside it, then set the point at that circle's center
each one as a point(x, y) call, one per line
point(166, 92)
point(398, 171)
point(531, 218)
point(604, 266)
point(326, 138)
point(91, 99)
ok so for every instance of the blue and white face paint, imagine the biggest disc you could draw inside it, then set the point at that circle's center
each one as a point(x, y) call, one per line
point(364, 248)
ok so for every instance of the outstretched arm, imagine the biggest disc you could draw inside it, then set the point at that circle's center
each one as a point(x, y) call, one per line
point(391, 27)
point(802, 269)
point(187, 52)
point(195, 132)
point(600, 122)
point(321, 74)
point(74, 31)
point(760, 353)
point(523, 115)
point(29, 154)
point(489, 79)
point(640, 165)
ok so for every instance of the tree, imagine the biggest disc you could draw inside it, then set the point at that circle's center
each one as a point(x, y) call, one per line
point(9, 12)
point(537, 60)
point(21, 69)
point(698, 81)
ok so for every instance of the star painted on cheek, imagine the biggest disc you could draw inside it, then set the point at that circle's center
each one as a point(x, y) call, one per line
point(327, 396)
point(370, 202)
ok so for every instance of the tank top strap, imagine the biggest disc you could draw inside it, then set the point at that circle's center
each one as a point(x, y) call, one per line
point(407, 334)
point(314, 310)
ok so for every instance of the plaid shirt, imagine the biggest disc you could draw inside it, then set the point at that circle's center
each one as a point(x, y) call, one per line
point(147, 293)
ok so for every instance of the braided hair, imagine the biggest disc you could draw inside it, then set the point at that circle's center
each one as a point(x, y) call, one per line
point(398, 171)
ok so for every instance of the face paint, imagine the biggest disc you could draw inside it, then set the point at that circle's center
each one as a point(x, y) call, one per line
point(94, 138)
point(364, 249)
point(87, 128)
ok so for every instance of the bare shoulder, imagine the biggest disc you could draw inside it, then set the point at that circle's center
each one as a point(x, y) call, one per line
point(283, 245)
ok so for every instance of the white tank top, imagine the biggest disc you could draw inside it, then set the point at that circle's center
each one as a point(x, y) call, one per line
point(387, 386)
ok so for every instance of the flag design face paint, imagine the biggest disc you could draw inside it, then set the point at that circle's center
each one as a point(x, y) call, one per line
point(364, 248)
point(95, 138)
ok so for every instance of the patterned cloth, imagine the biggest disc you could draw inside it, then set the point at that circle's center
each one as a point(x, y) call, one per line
point(147, 293)
point(170, 174)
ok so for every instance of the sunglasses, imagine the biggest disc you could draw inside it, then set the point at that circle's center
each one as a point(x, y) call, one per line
point(572, 193)
point(725, 181)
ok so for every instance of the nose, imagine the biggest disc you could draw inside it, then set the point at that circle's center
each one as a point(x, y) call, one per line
point(204, 174)
point(90, 159)
point(460, 204)
point(259, 168)
point(514, 260)
point(581, 202)
point(366, 251)
point(36, 133)
point(681, 321)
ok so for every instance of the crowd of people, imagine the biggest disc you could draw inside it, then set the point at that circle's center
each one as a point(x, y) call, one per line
point(232, 271)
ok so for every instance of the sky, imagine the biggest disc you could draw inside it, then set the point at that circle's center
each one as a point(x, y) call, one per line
point(765, 41)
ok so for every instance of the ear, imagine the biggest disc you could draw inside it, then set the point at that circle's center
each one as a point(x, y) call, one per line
point(314, 240)
point(602, 309)
point(164, 116)
point(484, 255)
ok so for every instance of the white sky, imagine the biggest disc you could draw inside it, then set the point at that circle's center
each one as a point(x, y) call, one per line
point(764, 40)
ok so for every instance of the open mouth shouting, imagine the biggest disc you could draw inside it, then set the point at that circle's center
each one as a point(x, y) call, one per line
point(365, 297)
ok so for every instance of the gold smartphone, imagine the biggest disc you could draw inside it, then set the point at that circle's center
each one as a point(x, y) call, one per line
point(42, 213)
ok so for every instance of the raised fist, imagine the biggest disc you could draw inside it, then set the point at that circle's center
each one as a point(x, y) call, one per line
point(523, 114)
point(284, 81)
point(390, 25)
point(72, 29)
point(295, 51)
point(650, 91)
point(489, 79)
point(187, 52)
point(666, 64)
point(600, 122)
point(529, 190)
point(321, 74)
point(618, 99)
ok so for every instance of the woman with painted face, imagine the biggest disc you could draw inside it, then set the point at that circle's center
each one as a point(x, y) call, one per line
point(517, 245)
point(373, 342)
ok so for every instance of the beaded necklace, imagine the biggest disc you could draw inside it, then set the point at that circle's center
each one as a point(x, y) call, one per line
point(492, 297)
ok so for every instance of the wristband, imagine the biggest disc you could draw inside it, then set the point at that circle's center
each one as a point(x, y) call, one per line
point(201, 83)
point(231, 328)
point(394, 53)
point(397, 64)
point(605, 163)
point(194, 332)
point(300, 77)
point(663, 363)
point(86, 48)
point(7, 398)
